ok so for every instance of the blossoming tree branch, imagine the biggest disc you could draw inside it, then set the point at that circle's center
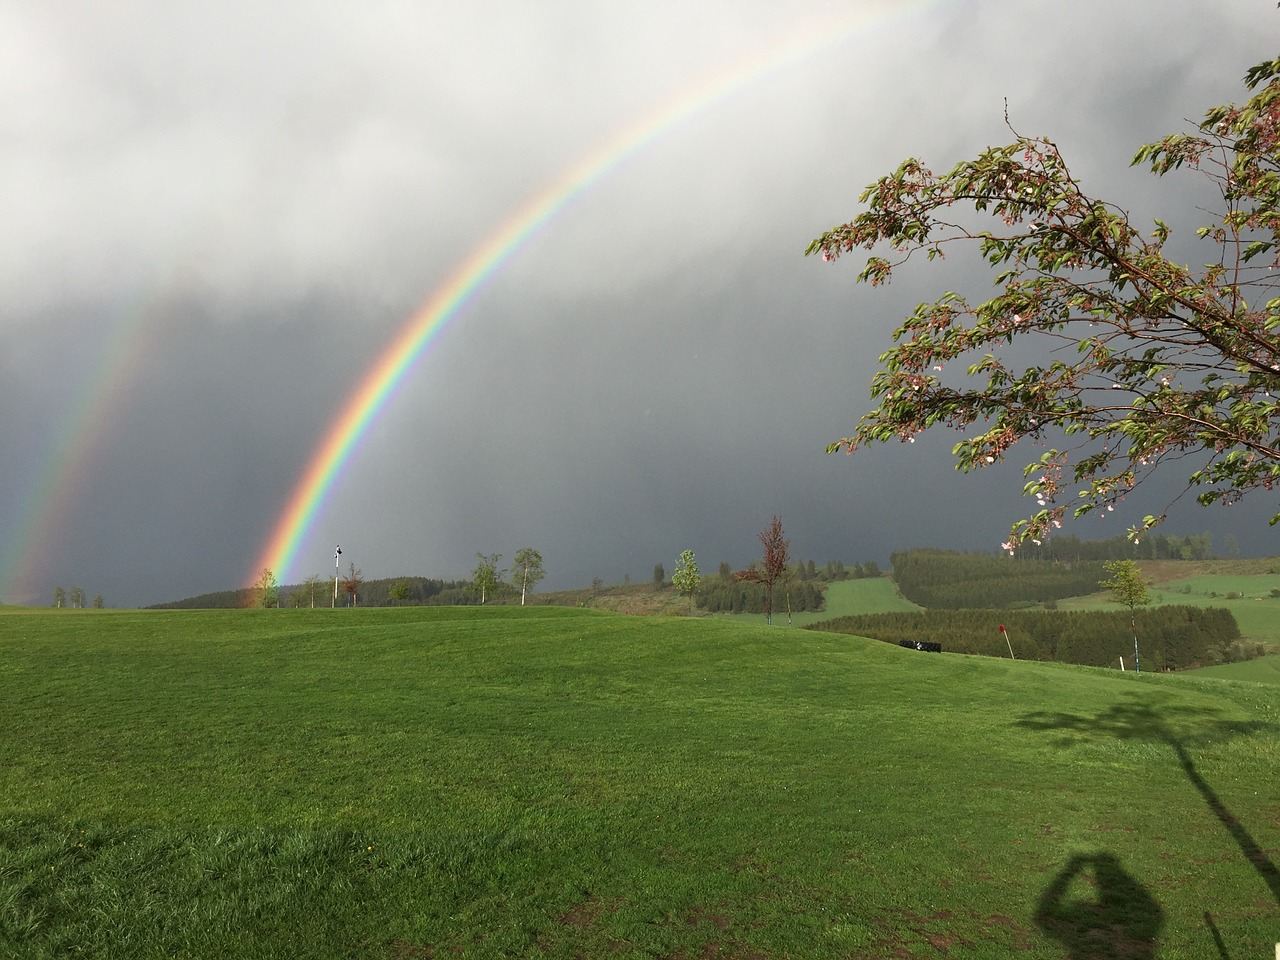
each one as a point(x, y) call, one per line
point(1132, 362)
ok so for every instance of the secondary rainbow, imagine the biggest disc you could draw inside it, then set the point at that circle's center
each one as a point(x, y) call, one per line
point(445, 303)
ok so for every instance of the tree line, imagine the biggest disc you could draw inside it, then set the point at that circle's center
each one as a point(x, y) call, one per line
point(1152, 546)
point(732, 596)
point(1172, 638)
point(75, 598)
point(948, 580)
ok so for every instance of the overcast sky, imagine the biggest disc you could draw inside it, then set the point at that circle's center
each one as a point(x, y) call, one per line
point(216, 217)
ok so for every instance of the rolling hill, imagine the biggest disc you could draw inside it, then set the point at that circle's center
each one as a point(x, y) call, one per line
point(554, 782)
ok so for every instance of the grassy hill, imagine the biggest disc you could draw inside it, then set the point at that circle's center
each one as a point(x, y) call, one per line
point(553, 782)
point(842, 598)
point(1241, 586)
point(1261, 670)
point(874, 595)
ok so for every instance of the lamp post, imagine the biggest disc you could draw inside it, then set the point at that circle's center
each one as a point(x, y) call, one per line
point(337, 555)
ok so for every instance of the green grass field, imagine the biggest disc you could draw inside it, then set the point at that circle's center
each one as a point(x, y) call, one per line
point(1257, 612)
point(547, 782)
point(842, 598)
point(1261, 670)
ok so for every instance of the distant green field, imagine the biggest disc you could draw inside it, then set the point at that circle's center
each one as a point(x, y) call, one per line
point(559, 783)
point(1258, 613)
point(1262, 670)
point(842, 598)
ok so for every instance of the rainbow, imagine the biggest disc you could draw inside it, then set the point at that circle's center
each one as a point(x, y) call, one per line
point(425, 326)
point(46, 504)
point(72, 448)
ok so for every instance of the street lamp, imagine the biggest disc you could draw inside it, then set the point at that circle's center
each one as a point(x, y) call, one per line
point(337, 555)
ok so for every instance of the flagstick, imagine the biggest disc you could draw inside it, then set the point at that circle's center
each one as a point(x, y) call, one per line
point(1006, 640)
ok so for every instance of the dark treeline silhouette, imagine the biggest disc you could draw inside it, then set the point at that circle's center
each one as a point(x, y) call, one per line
point(219, 600)
point(947, 580)
point(421, 591)
point(727, 596)
point(1170, 638)
point(805, 582)
point(835, 570)
point(1150, 546)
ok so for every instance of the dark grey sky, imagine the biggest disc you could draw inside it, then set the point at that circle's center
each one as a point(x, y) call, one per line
point(216, 219)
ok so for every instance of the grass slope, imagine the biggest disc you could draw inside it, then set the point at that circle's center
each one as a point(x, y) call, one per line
point(841, 598)
point(1262, 670)
point(1257, 612)
point(547, 782)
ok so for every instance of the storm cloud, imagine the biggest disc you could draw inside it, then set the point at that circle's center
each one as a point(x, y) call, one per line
point(218, 216)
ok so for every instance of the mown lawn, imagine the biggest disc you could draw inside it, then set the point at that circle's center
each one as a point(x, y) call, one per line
point(427, 782)
point(1261, 670)
point(1248, 597)
point(841, 598)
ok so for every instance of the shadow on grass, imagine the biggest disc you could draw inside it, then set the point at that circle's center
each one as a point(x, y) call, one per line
point(1130, 721)
point(1115, 917)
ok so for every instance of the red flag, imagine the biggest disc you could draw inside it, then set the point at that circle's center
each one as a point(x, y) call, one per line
point(1002, 628)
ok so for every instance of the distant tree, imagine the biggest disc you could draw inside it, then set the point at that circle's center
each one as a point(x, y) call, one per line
point(351, 582)
point(486, 575)
point(526, 570)
point(812, 571)
point(776, 550)
point(726, 570)
point(872, 569)
point(659, 575)
point(310, 590)
point(266, 589)
point(399, 591)
point(1229, 545)
point(1128, 588)
point(98, 602)
point(77, 597)
point(1118, 360)
point(59, 597)
point(686, 578)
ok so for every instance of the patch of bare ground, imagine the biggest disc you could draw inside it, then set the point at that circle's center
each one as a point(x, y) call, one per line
point(904, 930)
point(403, 950)
point(586, 913)
point(717, 950)
point(1162, 571)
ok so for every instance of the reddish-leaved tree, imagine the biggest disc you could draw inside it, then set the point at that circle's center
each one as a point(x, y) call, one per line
point(776, 554)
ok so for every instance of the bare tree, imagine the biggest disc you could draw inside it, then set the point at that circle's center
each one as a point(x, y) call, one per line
point(309, 592)
point(351, 582)
point(777, 549)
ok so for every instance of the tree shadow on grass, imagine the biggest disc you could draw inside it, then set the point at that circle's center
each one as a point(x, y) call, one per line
point(1136, 721)
point(1115, 917)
